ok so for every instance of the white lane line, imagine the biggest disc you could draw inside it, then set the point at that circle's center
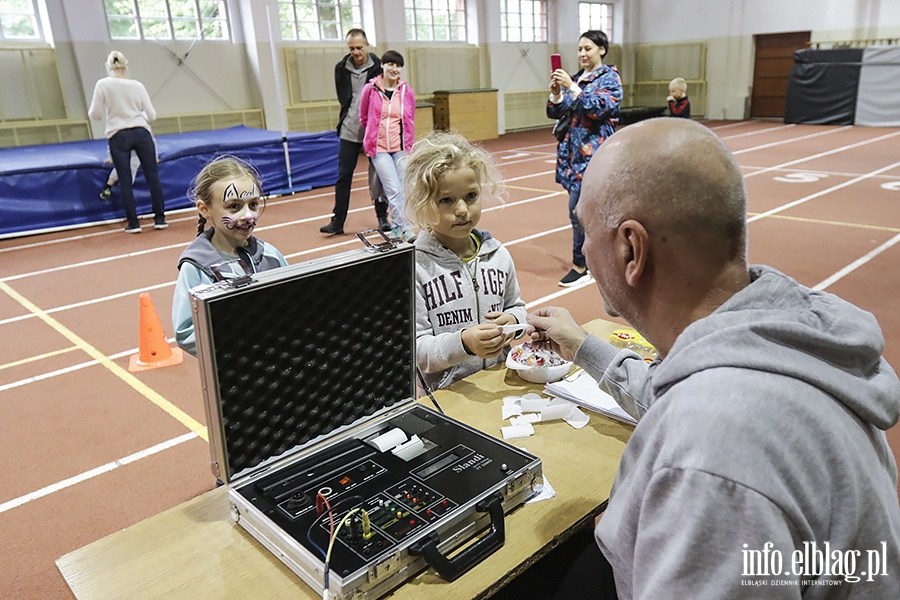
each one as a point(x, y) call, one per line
point(757, 132)
point(529, 176)
point(61, 485)
point(97, 261)
point(83, 303)
point(589, 281)
point(848, 183)
point(537, 235)
point(796, 139)
point(63, 371)
point(822, 154)
point(822, 172)
point(733, 125)
point(856, 264)
point(193, 217)
point(353, 241)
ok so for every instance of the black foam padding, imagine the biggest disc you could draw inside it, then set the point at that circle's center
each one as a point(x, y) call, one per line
point(298, 358)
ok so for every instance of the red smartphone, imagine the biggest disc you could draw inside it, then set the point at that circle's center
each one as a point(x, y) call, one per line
point(555, 62)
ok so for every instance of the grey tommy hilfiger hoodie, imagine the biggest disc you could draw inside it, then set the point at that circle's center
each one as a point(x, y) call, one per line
point(765, 424)
point(452, 295)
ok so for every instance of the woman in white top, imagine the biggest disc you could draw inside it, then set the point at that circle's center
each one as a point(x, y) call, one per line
point(128, 110)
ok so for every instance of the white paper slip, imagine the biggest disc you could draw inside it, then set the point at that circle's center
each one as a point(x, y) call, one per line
point(528, 418)
point(534, 404)
point(507, 400)
point(511, 410)
point(577, 418)
point(557, 411)
point(513, 328)
point(517, 431)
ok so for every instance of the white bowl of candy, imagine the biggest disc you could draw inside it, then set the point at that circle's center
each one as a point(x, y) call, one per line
point(537, 365)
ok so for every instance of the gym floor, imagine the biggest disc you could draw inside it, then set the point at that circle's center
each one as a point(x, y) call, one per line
point(89, 448)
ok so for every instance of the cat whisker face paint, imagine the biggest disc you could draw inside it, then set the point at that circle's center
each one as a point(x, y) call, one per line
point(235, 210)
point(243, 225)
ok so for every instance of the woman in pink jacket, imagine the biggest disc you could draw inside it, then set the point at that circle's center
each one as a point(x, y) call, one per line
point(387, 108)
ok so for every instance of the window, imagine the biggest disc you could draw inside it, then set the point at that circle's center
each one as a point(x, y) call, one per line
point(318, 19)
point(523, 20)
point(18, 20)
point(595, 15)
point(435, 20)
point(167, 19)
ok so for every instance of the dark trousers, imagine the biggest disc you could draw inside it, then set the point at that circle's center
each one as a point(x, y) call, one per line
point(348, 155)
point(574, 570)
point(140, 141)
point(589, 577)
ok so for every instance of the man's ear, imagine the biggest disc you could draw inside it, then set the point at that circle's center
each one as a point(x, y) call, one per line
point(632, 248)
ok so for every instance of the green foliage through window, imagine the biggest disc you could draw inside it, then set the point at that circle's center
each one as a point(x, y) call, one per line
point(167, 19)
point(18, 20)
point(436, 20)
point(318, 20)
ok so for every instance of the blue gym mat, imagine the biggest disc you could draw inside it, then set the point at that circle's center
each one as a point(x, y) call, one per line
point(57, 185)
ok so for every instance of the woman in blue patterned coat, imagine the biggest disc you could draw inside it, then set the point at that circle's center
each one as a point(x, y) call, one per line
point(591, 99)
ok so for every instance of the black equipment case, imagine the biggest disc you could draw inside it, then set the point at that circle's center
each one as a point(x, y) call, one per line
point(309, 380)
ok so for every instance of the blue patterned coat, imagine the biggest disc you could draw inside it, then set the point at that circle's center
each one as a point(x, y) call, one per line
point(594, 113)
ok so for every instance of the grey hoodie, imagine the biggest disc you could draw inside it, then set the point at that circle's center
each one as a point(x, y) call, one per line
point(452, 295)
point(765, 423)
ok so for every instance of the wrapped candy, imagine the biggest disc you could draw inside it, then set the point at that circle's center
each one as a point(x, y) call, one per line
point(528, 355)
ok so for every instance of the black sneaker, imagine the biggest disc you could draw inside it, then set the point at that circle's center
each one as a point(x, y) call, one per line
point(573, 277)
point(332, 228)
point(106, 193)
point(384, 224)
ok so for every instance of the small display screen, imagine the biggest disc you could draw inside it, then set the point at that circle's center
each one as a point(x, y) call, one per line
point(429, 470)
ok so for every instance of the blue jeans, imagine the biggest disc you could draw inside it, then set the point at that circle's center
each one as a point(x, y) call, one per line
point(577, 230)
point(391, 168)
point(140, 141)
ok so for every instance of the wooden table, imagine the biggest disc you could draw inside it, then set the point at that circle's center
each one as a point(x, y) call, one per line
point(195, 551)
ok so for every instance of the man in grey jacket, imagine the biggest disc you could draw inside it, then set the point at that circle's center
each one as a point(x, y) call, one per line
point(759, 467)
point(350, 76)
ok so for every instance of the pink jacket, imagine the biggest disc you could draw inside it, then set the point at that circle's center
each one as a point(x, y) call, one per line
point(371, 106)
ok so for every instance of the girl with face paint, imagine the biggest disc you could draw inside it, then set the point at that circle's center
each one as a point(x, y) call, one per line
point(228, 194)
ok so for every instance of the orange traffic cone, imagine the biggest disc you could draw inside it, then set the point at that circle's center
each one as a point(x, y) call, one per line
point(154, 350)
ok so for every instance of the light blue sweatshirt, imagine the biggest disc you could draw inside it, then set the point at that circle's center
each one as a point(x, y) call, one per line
point(194, 269)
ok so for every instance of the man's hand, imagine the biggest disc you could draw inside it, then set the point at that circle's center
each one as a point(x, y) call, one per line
point(556, 330)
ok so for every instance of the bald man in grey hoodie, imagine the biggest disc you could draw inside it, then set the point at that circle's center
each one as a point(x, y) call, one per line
point(759, 467)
